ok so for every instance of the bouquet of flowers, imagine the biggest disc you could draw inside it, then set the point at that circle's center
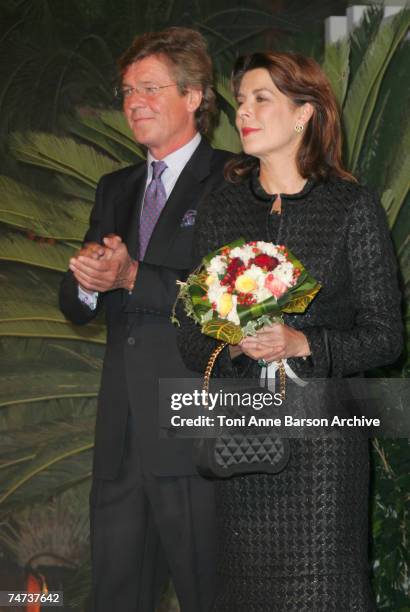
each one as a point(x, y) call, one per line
point(245, 285)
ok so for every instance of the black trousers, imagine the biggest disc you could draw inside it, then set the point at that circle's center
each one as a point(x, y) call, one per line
point(145, 528)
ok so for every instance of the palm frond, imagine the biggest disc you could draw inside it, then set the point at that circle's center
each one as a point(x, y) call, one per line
point(371, 144)
point(72, 188)
point(118, 129)
point(42, 214)
point(223, 87)
point(60, 526)
point(363, 91)
point(337, 69)
point(380, 147)
point(43, 370)
point(16, 247)
point(30, 307)
point(47, 383)
point(398, 177)
point(37, 462)
point(109, 131)
point(98, 138)
point(30, 414)
point(42, 328)
point(63, 156)
point(225, 136)
point(93, 70)
point(363, 35)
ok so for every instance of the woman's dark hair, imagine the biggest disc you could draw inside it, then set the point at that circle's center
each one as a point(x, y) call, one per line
point(301, 80)
point(186, 53)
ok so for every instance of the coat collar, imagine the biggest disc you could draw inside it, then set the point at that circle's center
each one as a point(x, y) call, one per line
point(128, 207)
point(263, 195)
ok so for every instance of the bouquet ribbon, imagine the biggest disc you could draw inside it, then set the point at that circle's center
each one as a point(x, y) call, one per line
point(269, 372)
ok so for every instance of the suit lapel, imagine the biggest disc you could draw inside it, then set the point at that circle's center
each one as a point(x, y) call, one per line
point(128, 209)
point(184, 196)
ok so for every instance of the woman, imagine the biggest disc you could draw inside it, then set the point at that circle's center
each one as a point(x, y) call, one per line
point(297, 541)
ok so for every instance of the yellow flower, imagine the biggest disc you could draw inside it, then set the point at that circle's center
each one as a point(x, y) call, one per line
point(225, 304)
point(245, 284)
point(210, 279)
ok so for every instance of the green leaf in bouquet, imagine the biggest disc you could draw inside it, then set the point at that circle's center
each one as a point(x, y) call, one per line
point(301, 300)
point(298, 298)
point(252, 327)
point(199, 305)
point(197, 286)
point(191, 295)
point(255, 311)
point(223, 330)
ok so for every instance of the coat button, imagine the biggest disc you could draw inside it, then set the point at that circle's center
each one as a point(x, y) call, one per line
point(131, 341)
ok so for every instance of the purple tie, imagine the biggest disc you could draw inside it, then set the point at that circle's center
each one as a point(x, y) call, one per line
point(154, 201)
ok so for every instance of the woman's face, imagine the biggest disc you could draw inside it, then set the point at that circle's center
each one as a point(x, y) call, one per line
point(266, 118)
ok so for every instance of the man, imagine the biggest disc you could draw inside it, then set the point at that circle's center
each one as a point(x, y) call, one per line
point(151, 515)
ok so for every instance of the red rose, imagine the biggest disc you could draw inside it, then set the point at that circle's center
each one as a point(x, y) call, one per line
point(234, 268)
point(265, 261)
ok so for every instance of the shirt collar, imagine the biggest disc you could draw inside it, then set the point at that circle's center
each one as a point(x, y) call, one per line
point(176, 160)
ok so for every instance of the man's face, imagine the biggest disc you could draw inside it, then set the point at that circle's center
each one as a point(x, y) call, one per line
point(163, 121)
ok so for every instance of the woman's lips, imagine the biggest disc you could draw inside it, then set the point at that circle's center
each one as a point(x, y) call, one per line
point(246, 131)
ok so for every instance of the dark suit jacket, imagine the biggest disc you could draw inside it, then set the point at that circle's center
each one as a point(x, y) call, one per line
point(141, 340)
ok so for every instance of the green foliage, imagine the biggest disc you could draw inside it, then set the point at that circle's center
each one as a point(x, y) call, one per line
point(337, 68)
point(37, 213)
point(37, 462)
point(62, 55)
point(63, 156)
point(390, 523)
point(58, 527)
point(29, 307)
point(364, 88)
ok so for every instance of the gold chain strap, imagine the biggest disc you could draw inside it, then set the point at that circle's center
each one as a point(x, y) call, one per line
point(208, 370)
point(210, 365)
point(282, 379)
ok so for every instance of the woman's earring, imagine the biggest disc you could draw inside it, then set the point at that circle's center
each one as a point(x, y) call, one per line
point(299, 127)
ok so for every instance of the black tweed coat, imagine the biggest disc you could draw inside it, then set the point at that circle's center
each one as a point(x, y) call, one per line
point(297, 541)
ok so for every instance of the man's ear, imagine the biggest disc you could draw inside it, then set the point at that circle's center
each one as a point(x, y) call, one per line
point(193, 99)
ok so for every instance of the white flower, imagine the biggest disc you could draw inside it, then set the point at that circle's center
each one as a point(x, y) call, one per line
point(259, 275)
point(215, 291)
point(284, 272)
point(233, 315)
point(244, 252)
point(217, 265)
point(270, 249)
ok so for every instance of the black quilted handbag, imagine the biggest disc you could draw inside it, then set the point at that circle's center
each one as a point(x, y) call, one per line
point(239, 450)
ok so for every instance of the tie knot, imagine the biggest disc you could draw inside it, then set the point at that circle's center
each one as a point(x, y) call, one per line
point(158, 168)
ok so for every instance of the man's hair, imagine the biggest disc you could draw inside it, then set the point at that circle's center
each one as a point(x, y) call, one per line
point(186, 53)
point(301, 80)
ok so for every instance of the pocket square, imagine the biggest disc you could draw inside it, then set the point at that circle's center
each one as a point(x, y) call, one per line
point(188, 219)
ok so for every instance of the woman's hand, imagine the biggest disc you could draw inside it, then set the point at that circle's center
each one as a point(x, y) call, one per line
point(275, 342)
point(235, 350)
